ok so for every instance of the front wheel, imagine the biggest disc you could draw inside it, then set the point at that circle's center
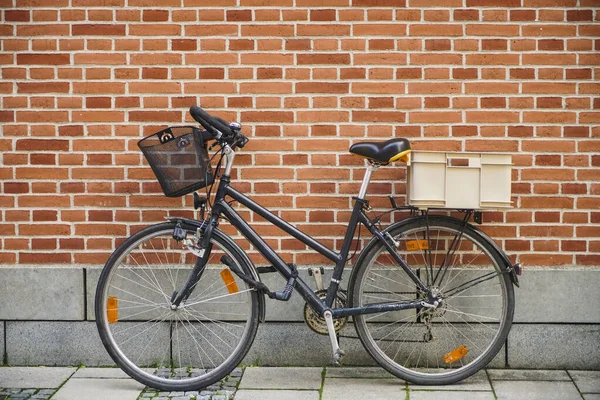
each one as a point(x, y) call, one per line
point(175, 348)
point(451, 341)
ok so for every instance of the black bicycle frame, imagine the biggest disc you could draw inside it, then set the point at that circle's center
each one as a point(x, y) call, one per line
point(222, 207)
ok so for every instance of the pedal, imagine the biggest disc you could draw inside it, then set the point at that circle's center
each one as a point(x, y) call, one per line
point(318, 274)
point(336, 351)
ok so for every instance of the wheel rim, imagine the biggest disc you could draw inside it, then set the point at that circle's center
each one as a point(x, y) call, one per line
point(431, 342)
point(193, 343)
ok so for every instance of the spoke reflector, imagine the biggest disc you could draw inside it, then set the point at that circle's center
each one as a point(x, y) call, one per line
point(112, 309)
point(412, 245)
point(456, 354)
point(229, 281)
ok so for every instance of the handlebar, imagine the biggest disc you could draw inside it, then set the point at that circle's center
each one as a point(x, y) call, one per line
point(218, 128)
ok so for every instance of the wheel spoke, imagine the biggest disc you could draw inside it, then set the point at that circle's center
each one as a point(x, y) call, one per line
point(468, 284)
point(140, 327)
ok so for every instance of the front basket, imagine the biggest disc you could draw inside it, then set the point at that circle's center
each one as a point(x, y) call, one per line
point(179, 159)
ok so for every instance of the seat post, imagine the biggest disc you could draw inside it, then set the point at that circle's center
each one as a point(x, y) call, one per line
point(372, 167)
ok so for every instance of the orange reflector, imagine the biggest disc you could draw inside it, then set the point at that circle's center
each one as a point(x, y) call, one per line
point(417, 245)
point(112, 310)
point(229, 281)
point(456, 354)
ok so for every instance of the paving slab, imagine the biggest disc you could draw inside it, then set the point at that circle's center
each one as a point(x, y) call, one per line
point(587, 381)
point(99, 389)
point(363, 389)
point(358, 372)
point(442, 395)
point(528, 375)
point(277, 395)
point(34, 377)
point(100, 373)
point(477, 382)
point(535, 390)
point(281, 378)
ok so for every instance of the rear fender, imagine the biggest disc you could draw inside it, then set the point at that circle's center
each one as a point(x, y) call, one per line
point(506, 264)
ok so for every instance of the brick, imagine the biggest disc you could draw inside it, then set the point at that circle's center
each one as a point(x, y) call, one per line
point(438, 44)
point(263, 30)
point(443, 30)
point(492, 59)
point(154, 30)
point(494, 3)
point(323, 30)
point(43, 30)
point(100, 58)
point(549, 59)
point(98, 29)
point(323, 15)
point(321, 87)
point(492, 30)
point(155, 15)
point(17, 15)
point(320, 59)
point(522, 15)
point(378, 116)
point(42, 145)
point(549, 30)
point(43, 59)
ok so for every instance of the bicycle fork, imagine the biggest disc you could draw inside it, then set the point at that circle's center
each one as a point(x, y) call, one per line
point(202, 253)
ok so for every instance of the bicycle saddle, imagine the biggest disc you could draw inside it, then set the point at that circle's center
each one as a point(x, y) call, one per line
point(383, 152)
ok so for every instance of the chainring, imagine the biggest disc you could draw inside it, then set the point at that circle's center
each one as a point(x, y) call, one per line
point(316, 322)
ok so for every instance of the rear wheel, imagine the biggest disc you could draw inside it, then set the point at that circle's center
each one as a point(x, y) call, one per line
point(186, 348)
point(443, 344)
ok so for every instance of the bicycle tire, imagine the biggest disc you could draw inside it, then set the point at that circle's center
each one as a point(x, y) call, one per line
point(462, 335)
point(185, 349)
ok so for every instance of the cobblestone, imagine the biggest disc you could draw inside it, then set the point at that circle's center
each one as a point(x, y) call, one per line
point(222, 390)
point(25, 394)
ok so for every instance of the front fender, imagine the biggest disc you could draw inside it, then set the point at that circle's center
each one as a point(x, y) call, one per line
point(194, 224)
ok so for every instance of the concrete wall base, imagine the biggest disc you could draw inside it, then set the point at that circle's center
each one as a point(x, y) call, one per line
point(51, 322)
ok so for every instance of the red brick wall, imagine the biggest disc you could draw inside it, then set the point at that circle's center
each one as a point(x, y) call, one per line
point(83, 80)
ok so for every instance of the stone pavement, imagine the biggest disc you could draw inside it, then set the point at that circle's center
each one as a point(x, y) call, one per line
point(295, 383)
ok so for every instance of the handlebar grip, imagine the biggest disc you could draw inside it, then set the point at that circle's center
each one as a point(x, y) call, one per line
point(203, 118)
point(209, 122)
point(222, 126)
point(206, 135)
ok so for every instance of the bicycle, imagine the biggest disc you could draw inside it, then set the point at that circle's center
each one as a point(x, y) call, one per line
point(178, 303)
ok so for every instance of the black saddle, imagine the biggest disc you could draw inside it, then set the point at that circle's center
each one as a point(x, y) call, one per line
point(383, 152)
